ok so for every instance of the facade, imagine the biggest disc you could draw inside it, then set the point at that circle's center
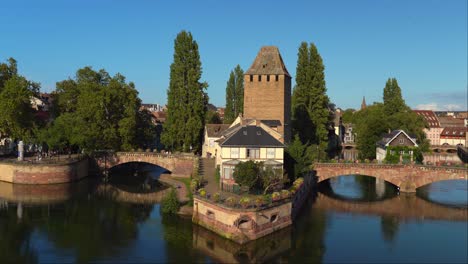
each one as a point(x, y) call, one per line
point(267, 91)
point(250, 141)
point(454, 136)
point(213, 132)
point(393, 139)
point(434, 128)
point(349, 136)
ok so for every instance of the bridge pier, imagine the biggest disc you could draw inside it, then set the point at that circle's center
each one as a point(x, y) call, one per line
point(407, 187)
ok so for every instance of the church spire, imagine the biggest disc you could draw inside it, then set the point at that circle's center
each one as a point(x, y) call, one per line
point(363, 104)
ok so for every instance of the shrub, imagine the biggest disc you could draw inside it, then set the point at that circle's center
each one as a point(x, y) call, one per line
point(217, 174)
point(293, 190)
point(140, 150)
point(231, 201)
point(194, 185)
point(259, 201)
point(202, 192)
point(216, 197)
point(245, 202)
point(170, 204)
point(275, 196)
point(285, 194)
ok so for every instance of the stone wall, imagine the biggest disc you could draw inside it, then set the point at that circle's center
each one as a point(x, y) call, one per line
point(407, 177)
point(241, 225)
point(24, 173)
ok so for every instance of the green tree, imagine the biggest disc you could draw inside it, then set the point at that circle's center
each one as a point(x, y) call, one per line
point(310, 102)
point(170, 204)
point(186, 95)
point(17, 115)
point(7, 71)
point(393, 101)
point(270, 178)
point(300, 157)
point(97, 111)
point(212, 117)
point(246, 174)
point(234, 95)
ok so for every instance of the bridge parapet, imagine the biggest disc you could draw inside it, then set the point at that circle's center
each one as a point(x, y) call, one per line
point(179, 165)
point(406, 177)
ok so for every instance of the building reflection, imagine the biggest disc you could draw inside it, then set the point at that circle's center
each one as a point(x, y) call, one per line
point(223, 250)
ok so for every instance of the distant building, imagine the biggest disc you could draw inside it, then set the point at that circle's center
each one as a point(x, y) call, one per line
point(450, 121)
point(152, 107)
point(363, 104)
point(454, 136)
point(392, 139)
point(434, 130)
point(213, 132)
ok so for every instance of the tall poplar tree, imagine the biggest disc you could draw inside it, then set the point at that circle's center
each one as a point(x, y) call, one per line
point(234, 95)
point(186, 97)
point(310, 101)
point(393, 100)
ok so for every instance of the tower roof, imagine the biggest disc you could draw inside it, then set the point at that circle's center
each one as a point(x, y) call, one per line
point(363, 104)
point(268, 61)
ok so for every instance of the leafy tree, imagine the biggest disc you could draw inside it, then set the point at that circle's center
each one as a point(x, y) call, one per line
point(7, 71)
point(347, 116)
point(270, 178)
point(16, 119)
point(186, 95)
point(234, 95)
point(97, 111)
point(170, 204)
point(246, 174)
point(310, 102)
point(212, 117)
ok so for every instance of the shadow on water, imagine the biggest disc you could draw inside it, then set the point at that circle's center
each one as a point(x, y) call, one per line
point(450, 193)
point(137, 177)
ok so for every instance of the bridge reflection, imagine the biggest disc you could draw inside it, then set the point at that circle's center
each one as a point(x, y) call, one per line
point(403, 206)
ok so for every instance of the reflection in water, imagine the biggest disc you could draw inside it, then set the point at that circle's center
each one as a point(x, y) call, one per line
point(265, 249)
point(371, 226)
point(450, 193)
point(358, 188)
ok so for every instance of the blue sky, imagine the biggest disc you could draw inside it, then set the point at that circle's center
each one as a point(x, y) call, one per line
point(421, 43)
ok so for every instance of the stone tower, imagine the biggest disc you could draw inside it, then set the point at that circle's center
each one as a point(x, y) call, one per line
point(267, 91)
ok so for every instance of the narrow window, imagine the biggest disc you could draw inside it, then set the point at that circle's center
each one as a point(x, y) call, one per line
point(210, 214)
point(259, 78)
point(251, 78)
point(268, 78)
point(276, 77)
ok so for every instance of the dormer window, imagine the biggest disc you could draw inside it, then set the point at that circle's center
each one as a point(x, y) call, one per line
point(244, 132)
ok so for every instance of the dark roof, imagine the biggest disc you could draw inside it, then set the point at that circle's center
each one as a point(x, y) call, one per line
point(271, 123)
point(251, 136)
point(386, 138)
point(268, 61)
point(449, 121)
point(216, 130)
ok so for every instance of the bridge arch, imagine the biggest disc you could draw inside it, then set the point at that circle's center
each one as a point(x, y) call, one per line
point(335, 175)
point(407, 177)
point(181, 165)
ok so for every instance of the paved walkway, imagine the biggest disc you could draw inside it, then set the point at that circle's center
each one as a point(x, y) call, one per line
point(179, 186)
point(207, 170)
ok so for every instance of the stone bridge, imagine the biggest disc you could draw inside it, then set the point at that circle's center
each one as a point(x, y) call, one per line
point(179, 165)
point(407, 177)
point(404, 206)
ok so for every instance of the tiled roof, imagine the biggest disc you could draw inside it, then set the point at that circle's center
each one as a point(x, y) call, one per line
point(268, 61)
point(448, 121)
point(454, 132)
point(216, 130)
point(430, 117)
point(251, 136)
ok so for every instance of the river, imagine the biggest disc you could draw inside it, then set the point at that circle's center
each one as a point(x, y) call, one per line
point(350, 219)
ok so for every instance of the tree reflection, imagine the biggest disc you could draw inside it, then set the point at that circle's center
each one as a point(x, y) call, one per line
point(96, 227)
point(15, 238)
point(390, 226)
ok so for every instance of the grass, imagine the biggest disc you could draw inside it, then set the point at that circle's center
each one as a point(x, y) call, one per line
point(186, 181)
